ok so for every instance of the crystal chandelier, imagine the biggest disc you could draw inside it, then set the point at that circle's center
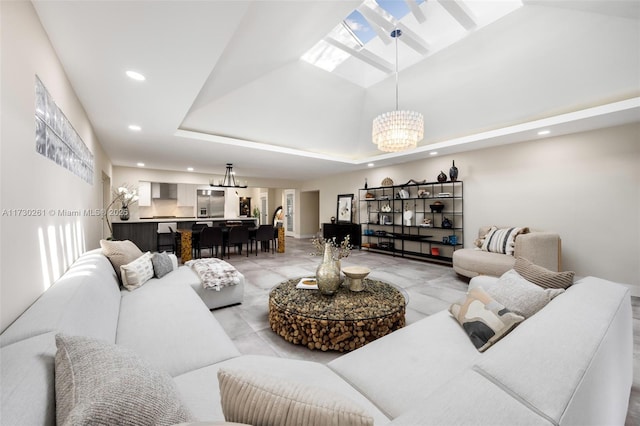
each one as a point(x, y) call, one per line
point(397, 130)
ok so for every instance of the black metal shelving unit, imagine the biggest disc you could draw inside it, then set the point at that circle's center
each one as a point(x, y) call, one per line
point(386, 228)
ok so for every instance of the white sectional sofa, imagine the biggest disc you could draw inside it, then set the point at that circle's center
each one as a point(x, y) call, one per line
point(569, 364)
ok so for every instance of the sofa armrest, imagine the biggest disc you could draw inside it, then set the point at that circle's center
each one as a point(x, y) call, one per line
point(541, 248)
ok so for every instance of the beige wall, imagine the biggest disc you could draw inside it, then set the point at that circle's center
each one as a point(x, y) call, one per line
point(36, 250)
point(584, 186)
point(309, 216)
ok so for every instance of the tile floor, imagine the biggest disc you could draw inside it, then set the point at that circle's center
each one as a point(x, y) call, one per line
point(429, 287)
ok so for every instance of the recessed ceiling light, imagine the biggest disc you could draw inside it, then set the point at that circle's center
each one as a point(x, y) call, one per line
point(135, 127)
point(433, 153)
point(136, 76)
point(370, 165)
point(544, 132)
point(140, 164)
point(189, 169)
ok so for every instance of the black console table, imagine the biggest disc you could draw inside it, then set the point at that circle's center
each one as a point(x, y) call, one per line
point(341, 230)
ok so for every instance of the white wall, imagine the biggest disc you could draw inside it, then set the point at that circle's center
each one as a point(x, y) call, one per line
point(584, 186)
point(36, 250)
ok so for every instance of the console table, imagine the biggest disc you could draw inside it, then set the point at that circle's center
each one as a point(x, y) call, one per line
point(341, 230)
point(342, 322)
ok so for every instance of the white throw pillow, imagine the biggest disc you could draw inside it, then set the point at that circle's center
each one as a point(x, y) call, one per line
point(519, 295)
point(138, 272)
point(174, 260)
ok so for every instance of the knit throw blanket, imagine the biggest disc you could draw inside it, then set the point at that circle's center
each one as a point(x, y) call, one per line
point(214, 273)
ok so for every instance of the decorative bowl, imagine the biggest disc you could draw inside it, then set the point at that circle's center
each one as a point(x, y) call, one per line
point(436, 207)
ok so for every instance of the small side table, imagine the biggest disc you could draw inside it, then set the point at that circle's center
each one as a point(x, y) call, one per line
point(280, 239)
point(185, 244)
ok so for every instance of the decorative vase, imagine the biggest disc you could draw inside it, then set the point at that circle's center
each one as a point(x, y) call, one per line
point(328, 274)
point(453, 172)
point(442, 177)
point(366, 185)
point(124, 213)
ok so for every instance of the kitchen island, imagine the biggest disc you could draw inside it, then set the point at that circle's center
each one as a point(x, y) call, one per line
point(144, 232)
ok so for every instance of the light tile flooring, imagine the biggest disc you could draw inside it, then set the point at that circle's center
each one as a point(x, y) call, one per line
point(429, 287)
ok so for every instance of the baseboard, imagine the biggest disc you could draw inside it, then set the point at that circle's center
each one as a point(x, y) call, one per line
point(635, 290)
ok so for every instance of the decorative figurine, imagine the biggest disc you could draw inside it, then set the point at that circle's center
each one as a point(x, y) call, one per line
point(453, 172)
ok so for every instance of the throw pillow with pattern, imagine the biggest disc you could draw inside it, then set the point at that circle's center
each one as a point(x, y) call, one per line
point(138, 272)
point(483, 319)
point(502, 240)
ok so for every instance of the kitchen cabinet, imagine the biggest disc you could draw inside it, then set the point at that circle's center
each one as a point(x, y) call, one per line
point(186, 195)
point(144, 194)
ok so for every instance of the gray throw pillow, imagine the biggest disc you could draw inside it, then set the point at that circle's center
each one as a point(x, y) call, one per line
point(162, 264)
point(100, 383)
point(521, 296)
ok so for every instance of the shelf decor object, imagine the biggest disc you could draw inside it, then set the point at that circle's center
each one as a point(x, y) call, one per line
point(229, 180)
point(345, 202)
point(355, 275)
point(327, 273)
point(397, 130)
point(453, 172)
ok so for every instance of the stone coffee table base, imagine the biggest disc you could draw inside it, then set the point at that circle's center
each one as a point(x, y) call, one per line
point(342, 322)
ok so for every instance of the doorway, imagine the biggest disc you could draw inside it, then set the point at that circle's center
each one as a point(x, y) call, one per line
point(106, 201)
point(264, 208)
point(289, 215)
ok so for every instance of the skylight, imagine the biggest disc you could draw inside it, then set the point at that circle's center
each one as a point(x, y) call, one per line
point(358, 48)
point(397, 9)
point(360, 27)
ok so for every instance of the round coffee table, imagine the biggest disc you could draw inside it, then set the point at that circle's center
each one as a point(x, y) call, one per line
point(343, 322)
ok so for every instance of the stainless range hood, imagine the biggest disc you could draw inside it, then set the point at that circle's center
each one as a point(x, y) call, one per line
point(164, 191)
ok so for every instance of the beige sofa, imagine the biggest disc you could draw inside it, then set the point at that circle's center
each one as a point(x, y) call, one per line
point(541, 248)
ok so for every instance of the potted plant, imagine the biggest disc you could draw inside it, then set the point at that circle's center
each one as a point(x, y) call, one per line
point(126, 196)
